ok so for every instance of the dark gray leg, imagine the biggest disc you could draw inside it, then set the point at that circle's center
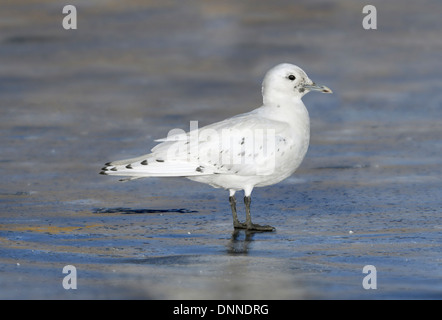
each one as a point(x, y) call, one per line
point(236, 223)
point(248, 223)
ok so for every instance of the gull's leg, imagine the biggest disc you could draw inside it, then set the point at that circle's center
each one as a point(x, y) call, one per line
point(251, 226)
point(236, 223)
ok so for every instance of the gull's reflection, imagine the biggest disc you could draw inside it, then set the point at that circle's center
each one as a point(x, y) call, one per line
point(240, 241)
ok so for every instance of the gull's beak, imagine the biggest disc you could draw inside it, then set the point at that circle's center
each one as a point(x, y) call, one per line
point(316, 87)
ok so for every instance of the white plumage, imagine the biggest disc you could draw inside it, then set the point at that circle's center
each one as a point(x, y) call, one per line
point(254, 149)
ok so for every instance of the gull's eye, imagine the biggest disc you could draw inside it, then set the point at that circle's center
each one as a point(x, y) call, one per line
point(291, 77)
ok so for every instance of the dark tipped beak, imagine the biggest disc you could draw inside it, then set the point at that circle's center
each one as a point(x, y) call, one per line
point(316, 87)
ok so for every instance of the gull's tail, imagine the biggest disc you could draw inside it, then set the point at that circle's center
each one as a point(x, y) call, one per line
point(150, 166)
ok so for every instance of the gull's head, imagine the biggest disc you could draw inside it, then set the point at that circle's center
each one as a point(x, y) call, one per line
point(288, 81)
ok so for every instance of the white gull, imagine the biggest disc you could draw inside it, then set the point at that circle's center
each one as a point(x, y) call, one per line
point(254, 149)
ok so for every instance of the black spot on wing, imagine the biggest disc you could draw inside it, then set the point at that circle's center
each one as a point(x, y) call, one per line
point(144, 163)
point(200, 169)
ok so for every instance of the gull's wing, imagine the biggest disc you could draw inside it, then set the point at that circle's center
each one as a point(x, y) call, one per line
point(244, 145)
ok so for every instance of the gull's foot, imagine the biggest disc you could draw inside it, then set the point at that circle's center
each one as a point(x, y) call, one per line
point(252, 226)
point(239, 225)
point(257, 227)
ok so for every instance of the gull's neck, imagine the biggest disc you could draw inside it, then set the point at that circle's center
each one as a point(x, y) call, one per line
point(284, 107)
point(282, 100)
